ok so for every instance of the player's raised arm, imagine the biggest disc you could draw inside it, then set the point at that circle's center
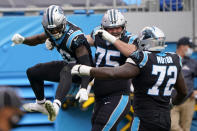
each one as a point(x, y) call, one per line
point(124, 48)
point(90, 40)
point(31, 40)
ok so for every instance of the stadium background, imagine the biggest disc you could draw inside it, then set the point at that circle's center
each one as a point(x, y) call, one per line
point(15, 60)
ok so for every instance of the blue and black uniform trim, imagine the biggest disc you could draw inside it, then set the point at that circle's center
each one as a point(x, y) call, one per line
point(116, 113)
point(135, 124)
point(131, 39)
point(71, 37)
point(145, 59)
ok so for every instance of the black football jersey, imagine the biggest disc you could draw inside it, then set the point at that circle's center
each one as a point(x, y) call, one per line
point(107, 55)
point(72, 38)
point(158, 74)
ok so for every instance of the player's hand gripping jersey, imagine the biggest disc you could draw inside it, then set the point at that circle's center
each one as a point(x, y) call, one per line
point(107, 55)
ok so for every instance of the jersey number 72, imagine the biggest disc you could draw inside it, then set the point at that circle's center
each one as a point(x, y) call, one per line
point(162, 72)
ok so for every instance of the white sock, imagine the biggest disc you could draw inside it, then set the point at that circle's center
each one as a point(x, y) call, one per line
point(57, 105)
point(41, 101)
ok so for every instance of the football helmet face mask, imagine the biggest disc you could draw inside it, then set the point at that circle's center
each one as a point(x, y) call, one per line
point(151, 39)
point(113, 19)
point(54, 21)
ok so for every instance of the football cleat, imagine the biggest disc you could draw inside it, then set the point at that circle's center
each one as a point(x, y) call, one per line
point(35, 107)
point(52, 111)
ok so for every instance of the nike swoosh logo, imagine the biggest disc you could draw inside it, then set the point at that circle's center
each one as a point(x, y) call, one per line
point(107, 103)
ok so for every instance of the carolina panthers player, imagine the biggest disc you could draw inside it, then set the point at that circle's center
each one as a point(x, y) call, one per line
point(112, 96)
point(154, 74)
point(71, 43)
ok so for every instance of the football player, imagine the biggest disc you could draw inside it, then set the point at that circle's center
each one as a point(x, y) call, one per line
point(71, 43)
point(154, 73)
point(112, 100)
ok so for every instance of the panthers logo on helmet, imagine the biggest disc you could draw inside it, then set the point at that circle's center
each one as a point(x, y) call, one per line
point(113, 18)
point(54, 21)
point(151, 39)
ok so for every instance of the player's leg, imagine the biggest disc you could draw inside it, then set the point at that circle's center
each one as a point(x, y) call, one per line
point(63, 88)
point(65, 83)
point(37, 74)
point(151, 121)
point(109, 111)
point(140, 124)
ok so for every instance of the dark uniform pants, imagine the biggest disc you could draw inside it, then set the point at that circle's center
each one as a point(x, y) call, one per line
point(152, 121)
point(109, 111)
point(55, 71)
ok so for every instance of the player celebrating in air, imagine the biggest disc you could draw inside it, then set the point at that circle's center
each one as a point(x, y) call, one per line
point(154, 74)
point(71, 43)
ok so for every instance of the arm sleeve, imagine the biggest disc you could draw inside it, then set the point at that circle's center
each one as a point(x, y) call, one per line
point(131, 39)
point(178, 60)
point(77, 42)
point(74, 40)
point(138, 58)
point(84, 57)
point(93, 32)
point(85, 60)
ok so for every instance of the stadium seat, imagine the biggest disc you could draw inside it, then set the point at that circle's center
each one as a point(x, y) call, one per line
point(83, 11)
point(165, 5)
point(19, 13)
